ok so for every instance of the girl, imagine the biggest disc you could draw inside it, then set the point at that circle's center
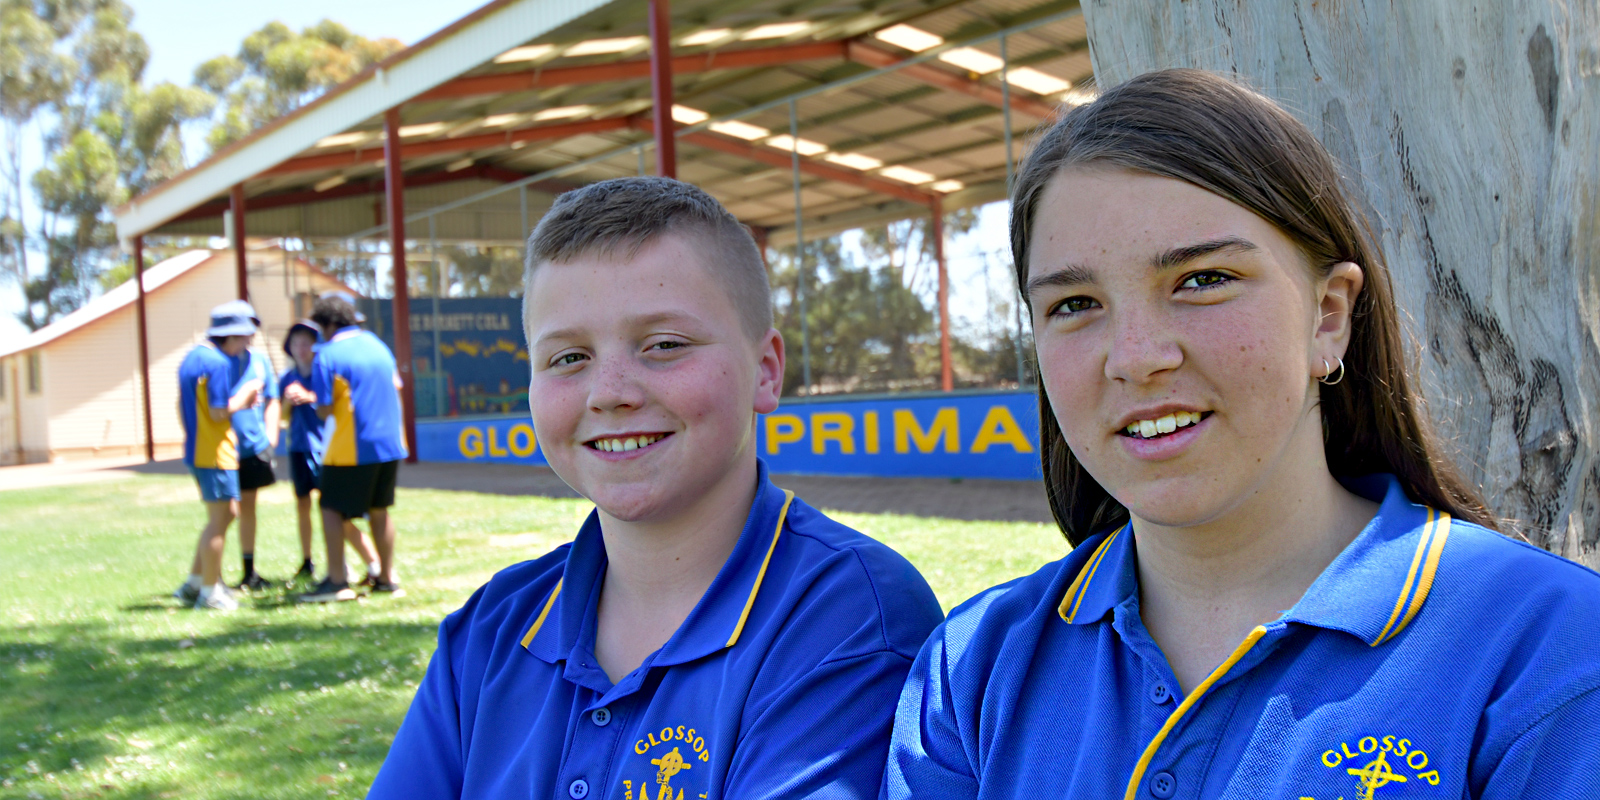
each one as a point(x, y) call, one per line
point(1280, 587)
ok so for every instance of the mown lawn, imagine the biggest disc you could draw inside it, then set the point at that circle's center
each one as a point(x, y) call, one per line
point(109, 689)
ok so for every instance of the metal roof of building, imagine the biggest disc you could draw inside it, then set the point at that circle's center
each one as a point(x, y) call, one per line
point(897, 103)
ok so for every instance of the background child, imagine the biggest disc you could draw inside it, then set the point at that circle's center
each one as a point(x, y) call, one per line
point(305, 447)
point(205, 406)
point(257, 440)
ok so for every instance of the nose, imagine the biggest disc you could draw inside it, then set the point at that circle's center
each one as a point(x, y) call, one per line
point(1143, 346)
point(614, 385)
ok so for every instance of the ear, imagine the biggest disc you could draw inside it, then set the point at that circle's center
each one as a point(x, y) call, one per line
point(1336, 304)
point(769, 372)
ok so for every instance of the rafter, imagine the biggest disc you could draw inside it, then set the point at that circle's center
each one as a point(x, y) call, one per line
point(459, 144)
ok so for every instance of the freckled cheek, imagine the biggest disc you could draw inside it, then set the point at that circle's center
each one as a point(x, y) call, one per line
point(555, 407)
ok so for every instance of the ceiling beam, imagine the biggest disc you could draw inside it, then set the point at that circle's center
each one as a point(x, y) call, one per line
point(459, 144)
point(528, 80)
point(772, 156)
point(296, 197)
point(1022, 101)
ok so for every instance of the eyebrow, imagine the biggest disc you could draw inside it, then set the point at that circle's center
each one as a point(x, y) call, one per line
point(645, 320)
point(1078, 275)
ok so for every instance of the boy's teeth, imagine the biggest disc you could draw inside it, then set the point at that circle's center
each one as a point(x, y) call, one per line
point(624, 445)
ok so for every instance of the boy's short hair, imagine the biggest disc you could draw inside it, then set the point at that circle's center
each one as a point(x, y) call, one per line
point(621, 215)
point(333, 313)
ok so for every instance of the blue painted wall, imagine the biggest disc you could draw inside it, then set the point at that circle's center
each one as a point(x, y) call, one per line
point(989, 435)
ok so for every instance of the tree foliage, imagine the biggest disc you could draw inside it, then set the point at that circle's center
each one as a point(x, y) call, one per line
point(277, 70)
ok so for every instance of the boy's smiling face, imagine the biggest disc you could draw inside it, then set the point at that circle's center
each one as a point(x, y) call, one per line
point(645, 384)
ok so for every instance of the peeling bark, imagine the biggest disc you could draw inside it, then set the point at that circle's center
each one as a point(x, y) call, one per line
point(1470, 131)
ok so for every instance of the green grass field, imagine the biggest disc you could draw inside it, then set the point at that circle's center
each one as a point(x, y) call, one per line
point(109, 689)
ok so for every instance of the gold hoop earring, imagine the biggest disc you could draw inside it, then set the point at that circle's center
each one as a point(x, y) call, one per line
point(1324, 379)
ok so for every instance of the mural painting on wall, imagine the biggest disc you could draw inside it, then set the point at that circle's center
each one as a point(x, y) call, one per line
point(482, 354)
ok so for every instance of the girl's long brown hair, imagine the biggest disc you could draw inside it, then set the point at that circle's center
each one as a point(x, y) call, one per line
point(1206, 130)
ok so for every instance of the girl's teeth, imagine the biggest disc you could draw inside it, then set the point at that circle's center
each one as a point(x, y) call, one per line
point(1150, 428)
point(630, 444)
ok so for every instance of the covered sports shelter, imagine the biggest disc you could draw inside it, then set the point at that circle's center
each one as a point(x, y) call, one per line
point(804, 118)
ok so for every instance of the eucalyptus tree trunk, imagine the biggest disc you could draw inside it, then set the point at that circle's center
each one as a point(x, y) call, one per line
point(1470, 129)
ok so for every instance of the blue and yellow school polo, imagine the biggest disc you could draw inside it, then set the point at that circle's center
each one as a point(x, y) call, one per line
point(353, 373)
point(1431, 659)
point(205, 380)
point(781, 683)
point(305, 427)
point(249, 423)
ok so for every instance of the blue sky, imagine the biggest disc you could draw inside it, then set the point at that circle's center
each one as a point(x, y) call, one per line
point(182, 34)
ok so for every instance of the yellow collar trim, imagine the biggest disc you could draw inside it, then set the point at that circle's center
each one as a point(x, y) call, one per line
point(1189, 702)
point(1429, 547)
point(548, 604)
point(1071, 602)
point(788, 497)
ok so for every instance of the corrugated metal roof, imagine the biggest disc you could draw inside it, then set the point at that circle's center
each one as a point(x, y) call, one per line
point(939, 117)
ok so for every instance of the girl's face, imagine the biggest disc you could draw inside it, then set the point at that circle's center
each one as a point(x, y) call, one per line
point(1179, 336)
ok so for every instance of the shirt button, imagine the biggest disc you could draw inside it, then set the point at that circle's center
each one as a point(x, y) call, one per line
point(601, 717)
point(1162, 785)
point(1159, 693)
point(579, 789)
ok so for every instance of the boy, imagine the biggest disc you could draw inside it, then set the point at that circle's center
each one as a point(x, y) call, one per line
point(706, 635)
point(306, 444)
point(356, 383)
point(205, 406)
point(257, 440)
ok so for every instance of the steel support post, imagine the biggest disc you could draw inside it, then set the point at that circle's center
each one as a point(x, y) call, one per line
point(236, 214)
point(661, 89)
point(394, 191)
point(1011, 173)
point(936, 230)
point(144, 349)
point(800, 250)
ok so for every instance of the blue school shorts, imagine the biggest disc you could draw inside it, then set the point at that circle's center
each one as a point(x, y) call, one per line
point(216, 484)
point(306, 471)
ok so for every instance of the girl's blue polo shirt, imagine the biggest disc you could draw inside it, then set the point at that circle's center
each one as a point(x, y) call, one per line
point(1432, 659)
point(780, 683)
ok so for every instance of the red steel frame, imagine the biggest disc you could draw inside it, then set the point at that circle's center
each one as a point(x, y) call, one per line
point(661, 89)
point(394, 192)
point(946, 376)
point(144, 349)
point(241, 274)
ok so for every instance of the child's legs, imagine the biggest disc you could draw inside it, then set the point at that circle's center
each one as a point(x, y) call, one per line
point(359, 543)
point(383, 536)
point(333, 524)
point(219, 514)
point(302, 510)
point(247, 521)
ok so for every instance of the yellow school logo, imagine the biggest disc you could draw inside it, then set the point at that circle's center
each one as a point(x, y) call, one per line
point(672, 751)
point(1376, 764)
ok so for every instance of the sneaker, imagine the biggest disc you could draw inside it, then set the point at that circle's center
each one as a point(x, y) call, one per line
point(327, 592)
point(368, 581)
point(217, 601)
point(187, 593)
point(391, 589)
point(254, 583)
point(306, 572)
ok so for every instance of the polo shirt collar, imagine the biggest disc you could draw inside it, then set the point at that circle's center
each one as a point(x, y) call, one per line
point(564, 628)
point(1373, 589)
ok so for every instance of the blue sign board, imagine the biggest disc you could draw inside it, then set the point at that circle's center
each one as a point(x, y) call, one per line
point(992, 435)
point(482, 354)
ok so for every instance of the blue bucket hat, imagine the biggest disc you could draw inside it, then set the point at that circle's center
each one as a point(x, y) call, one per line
point(348, 298)
point(303, 325)
point(233, 318)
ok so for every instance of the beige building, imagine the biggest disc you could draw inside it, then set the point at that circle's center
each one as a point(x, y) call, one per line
point(72, 389)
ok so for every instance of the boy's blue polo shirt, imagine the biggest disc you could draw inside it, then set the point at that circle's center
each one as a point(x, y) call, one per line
point(1431, 659)
point(780, 683)
point(250, 422)
point(353, 373)
point(205, 381)
point(305, 427)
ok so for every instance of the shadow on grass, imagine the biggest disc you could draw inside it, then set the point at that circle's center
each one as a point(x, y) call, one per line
point(276, 709)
